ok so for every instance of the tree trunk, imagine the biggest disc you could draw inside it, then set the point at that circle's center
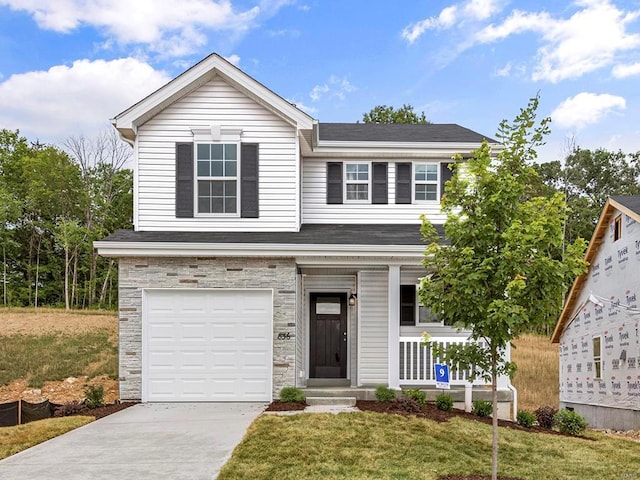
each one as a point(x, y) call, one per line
point(35, 302)
point(494, 423)
point(4, 274)
point(105, 284)
point(66, 278)
point(74, 279)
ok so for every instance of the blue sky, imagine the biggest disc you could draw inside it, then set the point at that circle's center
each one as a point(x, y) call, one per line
point(66, 67)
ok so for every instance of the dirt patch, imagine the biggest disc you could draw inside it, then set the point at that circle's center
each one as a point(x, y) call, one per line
point(59, 392)
point(42, 321)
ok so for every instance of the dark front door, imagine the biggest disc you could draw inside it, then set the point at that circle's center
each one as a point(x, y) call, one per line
point(328, 335)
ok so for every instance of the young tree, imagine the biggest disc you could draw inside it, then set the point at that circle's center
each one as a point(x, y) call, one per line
point(505, 270)
point(387, 114)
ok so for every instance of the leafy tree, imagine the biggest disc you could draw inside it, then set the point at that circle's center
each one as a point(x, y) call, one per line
point(505, 270)
point(587, 178)
point(388, 114)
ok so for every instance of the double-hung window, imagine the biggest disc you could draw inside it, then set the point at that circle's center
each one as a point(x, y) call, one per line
point(425, 180)
point(412, 311)
point(217, 178)
point(357, 180)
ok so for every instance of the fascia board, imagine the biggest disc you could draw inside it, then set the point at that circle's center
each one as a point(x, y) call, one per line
point(206, 68)
point(421, 149)
point(172, 249)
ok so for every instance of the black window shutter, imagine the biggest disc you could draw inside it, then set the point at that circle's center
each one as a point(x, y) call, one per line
point(407, 304)
point(403, 182)
point(184, 180)
point(445, 176)
point(249, 205)
point(334, 182)
point(380, 189)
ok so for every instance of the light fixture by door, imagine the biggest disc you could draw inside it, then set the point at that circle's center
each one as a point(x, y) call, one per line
point(352, 300)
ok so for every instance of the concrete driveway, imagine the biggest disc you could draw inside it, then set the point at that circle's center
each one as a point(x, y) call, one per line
point(147, 441)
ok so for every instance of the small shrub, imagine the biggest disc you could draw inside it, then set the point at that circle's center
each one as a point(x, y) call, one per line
point(385, 394)
point(406, 405)
point(526, 419)
point(444, 401)
point(291, 394)
point(94, 396)
point(482, 408)
point(70, 408)
point(415, 394)
point(570, 422)
point(546, 416)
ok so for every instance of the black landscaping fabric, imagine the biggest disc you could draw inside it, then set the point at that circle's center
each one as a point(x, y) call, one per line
point(8, 414)
point(36, 411)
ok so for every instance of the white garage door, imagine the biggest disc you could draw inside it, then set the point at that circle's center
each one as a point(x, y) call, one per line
point(207, 345)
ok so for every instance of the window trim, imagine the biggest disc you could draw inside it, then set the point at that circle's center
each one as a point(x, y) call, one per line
point(237, 178)
point(346, 182)
point(416, 309)
point(597, 359)
point(415, 183)
point(617, 228)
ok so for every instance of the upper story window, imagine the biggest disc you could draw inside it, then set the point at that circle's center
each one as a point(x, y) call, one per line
point(357, 180)
point(217, 178)
point(617, 228)
point(426, 181)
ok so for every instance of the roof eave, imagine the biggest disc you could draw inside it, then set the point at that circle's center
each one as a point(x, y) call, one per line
point(174, 249)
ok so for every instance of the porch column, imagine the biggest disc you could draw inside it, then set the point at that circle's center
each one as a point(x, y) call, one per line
point(393, 293)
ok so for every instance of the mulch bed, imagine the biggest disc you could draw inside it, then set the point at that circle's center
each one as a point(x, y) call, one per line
point(279, 406)
point(105, 410)
point(431, 412)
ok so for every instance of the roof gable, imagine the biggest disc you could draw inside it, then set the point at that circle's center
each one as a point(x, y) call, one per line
point(204, 71)
point(629, 205)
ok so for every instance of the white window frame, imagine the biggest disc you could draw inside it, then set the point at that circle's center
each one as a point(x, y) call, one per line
point(415, 183)
point(357, 182)
point(420, 305)
point(597, 359)
point(198, 178)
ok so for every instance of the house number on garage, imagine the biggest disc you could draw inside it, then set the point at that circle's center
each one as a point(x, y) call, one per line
point(285, 336)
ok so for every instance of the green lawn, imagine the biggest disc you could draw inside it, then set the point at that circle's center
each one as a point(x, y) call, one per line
point(39, 358)
point(370, 445)
point(21, 437)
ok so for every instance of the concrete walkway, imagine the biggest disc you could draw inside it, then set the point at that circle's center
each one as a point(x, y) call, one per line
point(147, 441)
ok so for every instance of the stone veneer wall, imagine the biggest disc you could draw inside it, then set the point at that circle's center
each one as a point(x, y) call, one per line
point(136, 274)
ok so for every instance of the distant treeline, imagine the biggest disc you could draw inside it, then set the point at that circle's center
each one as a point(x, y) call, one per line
point(54, 203)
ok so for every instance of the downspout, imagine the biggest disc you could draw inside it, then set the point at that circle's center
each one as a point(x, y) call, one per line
point(514, 392)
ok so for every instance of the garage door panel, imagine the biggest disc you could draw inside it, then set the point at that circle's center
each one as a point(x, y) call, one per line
point(207, 345)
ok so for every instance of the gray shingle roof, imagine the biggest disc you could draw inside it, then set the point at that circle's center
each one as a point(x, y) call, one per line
point(632, 202)
point(308, 235)
point(375, 132)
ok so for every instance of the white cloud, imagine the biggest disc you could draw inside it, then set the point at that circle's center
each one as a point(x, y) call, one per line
point(336, 87)
point(586, 41)
point(626, 70)
point(234, 59)
point(458, 14)
point(585, 109)
point(64, 100)
point(166, 27)
point(305, 108)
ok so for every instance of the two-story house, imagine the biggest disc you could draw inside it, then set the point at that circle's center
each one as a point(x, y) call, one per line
point(272, 250)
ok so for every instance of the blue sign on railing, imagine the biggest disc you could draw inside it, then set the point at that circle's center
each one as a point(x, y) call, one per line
point(442, 375)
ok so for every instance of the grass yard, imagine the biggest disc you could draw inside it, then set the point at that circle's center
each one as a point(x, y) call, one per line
point(47, 344)
point(21, 437)
point(382, 446)
point(537, 378)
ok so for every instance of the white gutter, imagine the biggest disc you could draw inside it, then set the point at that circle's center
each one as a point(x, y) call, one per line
point(179, 249)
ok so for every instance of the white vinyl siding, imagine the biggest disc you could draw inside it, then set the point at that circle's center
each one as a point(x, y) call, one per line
point(316, 210)
point(217, 103)
point(373, 312)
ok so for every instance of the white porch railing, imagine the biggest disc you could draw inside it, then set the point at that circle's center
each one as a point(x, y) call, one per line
point(416, 362)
